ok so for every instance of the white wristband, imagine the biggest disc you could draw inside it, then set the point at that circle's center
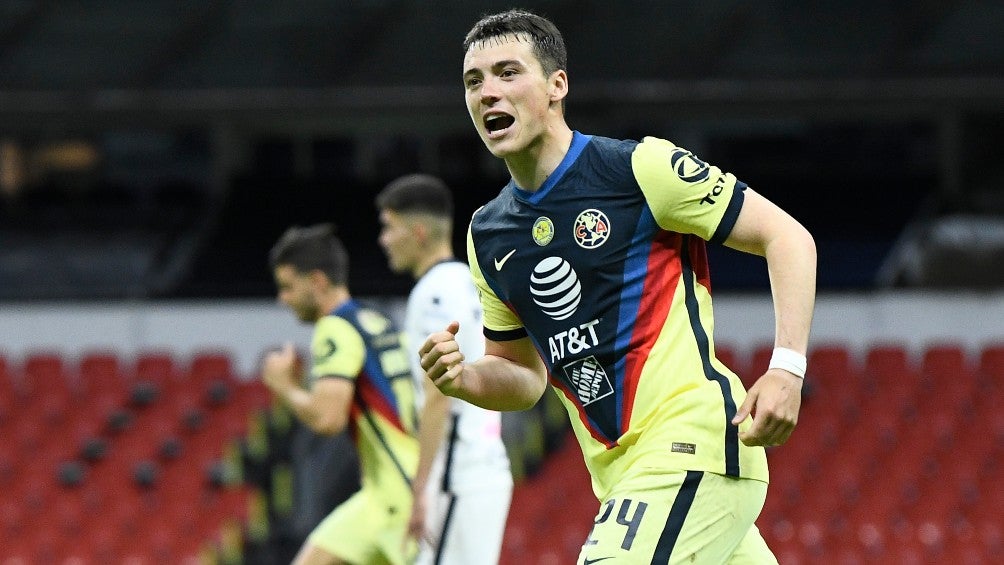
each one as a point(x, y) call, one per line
point(789, 360)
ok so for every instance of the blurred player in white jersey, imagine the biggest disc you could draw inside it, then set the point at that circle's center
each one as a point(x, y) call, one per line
point(464, 483)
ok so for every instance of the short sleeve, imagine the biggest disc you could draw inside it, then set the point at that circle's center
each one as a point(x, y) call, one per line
point(500, 323)
point(685, 194)
point(337, 349)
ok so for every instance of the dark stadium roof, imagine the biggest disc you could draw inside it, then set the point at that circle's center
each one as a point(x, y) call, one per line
point(125, 44)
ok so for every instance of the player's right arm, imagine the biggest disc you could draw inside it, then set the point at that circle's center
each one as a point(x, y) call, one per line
point(338, 354)
point(510, 376)
point(324, 408)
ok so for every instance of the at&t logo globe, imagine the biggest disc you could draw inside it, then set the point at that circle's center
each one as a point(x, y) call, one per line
point(555, 287)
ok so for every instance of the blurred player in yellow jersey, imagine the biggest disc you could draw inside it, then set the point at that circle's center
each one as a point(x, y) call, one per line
point(359, 377)
point(592, 270)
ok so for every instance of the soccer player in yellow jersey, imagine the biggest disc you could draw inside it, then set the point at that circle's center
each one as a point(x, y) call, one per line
point(593, 276)
point(360, 378)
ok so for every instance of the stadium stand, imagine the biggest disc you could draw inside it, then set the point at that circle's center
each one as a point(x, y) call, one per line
point(152, 151)
point(896, 459)
point(99, 475)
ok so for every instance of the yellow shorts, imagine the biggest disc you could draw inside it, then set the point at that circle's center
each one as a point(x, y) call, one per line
point(680, 517)
point(367, 528)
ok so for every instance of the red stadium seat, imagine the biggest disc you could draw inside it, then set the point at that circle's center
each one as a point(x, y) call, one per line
point(46, 389)
point(938, 503)
point(728, 355)
point(28, 437)
point(991, 362)
point(47, 543)
point(11, 464)
point(833, 378)
point(966, 552)
point(831, 363)
point(945, 361)
point(104, 544)
point(7, 377)
point(758, 361)
point(949, 377)
point(906, 552)
point(157, 367)
point(101, 374)
point(254, 394)
point(208, 365)
point(890, 377)
point(43, 374)
point(884, 361)
point(11, 518)
point(879, 504)
point(8, 393)
point(990, 377)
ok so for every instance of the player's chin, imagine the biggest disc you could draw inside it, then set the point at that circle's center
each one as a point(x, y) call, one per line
point(501, 148)
point(402, 268)
point(499, 142)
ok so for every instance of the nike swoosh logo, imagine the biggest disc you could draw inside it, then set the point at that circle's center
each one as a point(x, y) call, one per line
point(500, 262)
point(588, 561)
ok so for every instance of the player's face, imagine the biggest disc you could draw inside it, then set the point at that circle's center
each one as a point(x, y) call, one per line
point(397, 241)
point(295, 290)
point(508, 94)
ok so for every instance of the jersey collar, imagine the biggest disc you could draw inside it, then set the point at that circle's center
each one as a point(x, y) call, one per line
point(579, 142)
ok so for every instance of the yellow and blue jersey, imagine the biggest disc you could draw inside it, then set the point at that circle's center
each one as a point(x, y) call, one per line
point(365, 347)
point(605, 269)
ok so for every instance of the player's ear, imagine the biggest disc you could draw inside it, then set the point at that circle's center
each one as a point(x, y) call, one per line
point(558, 85)
point(420, 231)
point(318, 279)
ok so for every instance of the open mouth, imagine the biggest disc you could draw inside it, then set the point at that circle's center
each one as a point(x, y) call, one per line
point(497, 122)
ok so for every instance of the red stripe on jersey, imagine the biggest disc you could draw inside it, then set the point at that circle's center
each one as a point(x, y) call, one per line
point(372, 398)
point(662, 276)
point(699, 262)
point(573, 400)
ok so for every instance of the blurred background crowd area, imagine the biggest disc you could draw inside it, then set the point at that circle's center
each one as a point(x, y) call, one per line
point(152, 151)
point(156, 148)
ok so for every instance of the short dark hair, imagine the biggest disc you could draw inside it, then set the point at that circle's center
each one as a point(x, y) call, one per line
point(417, 193)
point(547, 41)
point(312, 247)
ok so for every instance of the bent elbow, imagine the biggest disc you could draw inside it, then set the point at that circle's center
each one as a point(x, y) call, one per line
point(807, 239)
point(533, 398)
point(808, 244)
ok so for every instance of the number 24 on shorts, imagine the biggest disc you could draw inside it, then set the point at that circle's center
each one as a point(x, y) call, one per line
point(631, 524)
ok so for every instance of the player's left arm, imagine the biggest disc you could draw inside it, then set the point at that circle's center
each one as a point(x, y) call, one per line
point(762, 228)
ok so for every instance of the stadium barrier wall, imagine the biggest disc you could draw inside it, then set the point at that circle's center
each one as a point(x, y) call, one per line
point(246, 328)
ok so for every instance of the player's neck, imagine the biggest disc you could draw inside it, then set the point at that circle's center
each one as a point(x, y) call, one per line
point(530, 168)
point(442, 253)
point(333, 298)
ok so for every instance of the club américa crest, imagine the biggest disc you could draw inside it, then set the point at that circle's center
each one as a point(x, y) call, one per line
point(591, 229)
